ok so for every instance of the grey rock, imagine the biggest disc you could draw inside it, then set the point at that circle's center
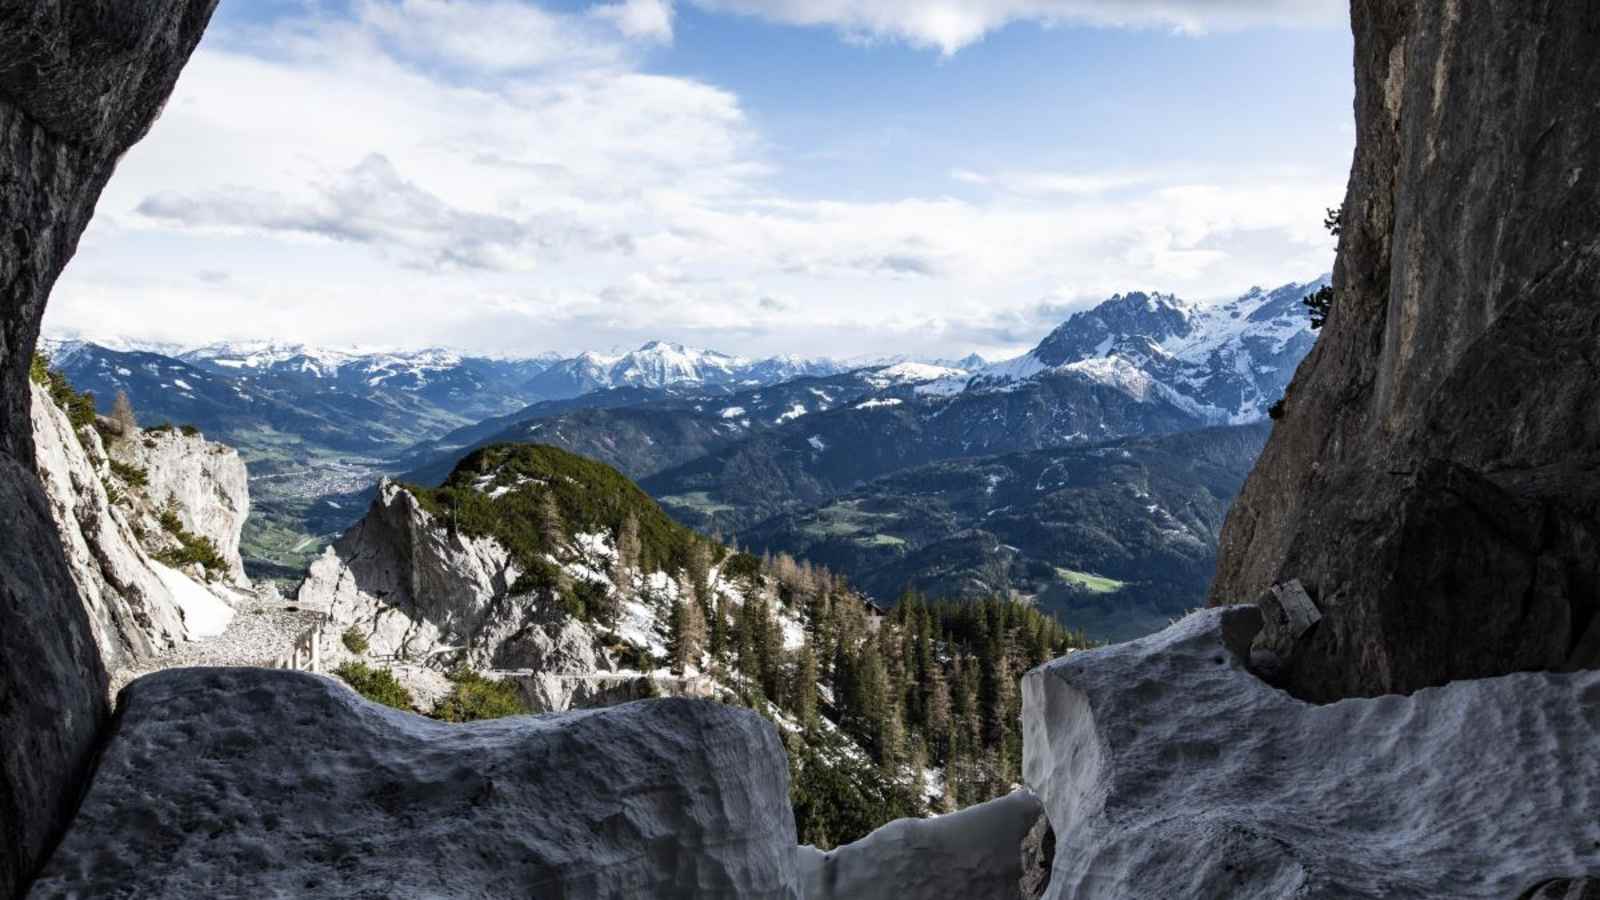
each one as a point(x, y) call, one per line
point(80, 82)
point(976, 852)
point(418, 590)
point(1564, 889)
point(1169, 770)
point(207, 480)
point(1287, 614)
point(131, 611)
point(221, 783)
point(1038, 858)
point(1453, 387)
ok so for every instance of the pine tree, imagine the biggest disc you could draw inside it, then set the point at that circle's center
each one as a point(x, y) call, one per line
point(700, 571)
point(122, 414)
point(938, 721)
point(623, 569)
point(552, 528)
point(688, 634)
point(803, 688)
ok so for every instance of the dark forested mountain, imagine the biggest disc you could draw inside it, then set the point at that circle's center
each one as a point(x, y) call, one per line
point(662, 430)
point(1117, 537)
point(1137, 364)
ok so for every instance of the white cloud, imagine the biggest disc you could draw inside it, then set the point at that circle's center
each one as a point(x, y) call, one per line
point(950, 25)
point(408, 177)
point(648, 19)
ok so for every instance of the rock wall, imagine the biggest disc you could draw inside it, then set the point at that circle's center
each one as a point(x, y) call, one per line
point(255, 783)
point(80, 82)
point(136, 606)
point(207, 480)
point(1433, 483)
point(1169, 770)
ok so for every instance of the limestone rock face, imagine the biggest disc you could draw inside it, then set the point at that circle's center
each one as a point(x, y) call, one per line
point(224, 783)
point(1169, 770)
point(207, 480)
point(977, 852)
point(415, 587)
point(80, 82)
point(426, 595)
point(1454, 384)
point(137, 607)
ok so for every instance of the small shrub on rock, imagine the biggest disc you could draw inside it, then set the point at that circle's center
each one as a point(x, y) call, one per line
point(377, 685)
point(473, 697)
point(355, 641)
point(131, 475)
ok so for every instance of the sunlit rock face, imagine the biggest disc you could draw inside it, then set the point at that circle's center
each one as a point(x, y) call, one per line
point(1432, 481)
point(205, 480)
point(1168, 769)
point(80, 82)
point(263, 783)
point(137, 607)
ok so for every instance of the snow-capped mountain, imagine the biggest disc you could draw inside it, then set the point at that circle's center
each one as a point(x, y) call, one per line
point(660, 364)
point(1224, 363)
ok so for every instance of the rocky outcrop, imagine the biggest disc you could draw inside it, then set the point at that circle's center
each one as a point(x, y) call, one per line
point(1168, 769)
point(80, 82)
point(206, 482)
point(1433, 481)
point(137, 607)
point(424, 594)
point(976, 852)
point(418, 589)
point(221, 783)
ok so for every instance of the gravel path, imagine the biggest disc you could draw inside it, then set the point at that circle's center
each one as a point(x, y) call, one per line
point(263, 630)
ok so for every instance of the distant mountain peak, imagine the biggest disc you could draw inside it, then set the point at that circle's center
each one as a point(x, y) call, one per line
point(1226, 363)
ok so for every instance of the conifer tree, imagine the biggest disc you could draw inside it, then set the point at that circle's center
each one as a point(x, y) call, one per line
point(700, 571)
point(122, 414)
point(803, 691)
point(688, 634)
point(552, 528)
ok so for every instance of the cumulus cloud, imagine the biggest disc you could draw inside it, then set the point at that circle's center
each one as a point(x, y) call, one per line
point(503, 177)
point(648, 19)
point(372, 204)
point(949, 25)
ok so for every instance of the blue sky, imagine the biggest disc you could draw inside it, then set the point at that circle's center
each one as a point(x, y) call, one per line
point(804, 176)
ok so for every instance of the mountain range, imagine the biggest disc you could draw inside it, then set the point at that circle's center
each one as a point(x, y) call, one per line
point(758, 449)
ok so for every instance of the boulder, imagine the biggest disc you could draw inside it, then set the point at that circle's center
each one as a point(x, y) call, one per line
point(1169, 770)
point(221, 783)
point(80, 82)
point(977, 852)
point(1455, 380)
